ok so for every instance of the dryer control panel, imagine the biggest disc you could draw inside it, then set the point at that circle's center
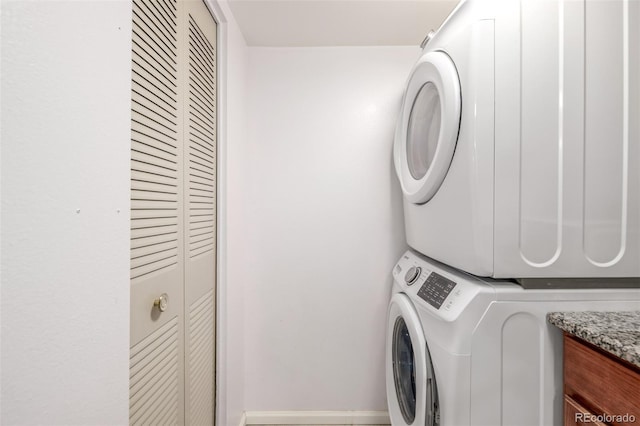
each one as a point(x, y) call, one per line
point(436, 287)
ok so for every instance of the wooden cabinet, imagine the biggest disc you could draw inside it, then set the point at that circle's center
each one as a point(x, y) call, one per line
point(576, 415)
point(599, 388)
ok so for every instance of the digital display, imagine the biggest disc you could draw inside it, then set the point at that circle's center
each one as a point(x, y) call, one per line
point(436, 289)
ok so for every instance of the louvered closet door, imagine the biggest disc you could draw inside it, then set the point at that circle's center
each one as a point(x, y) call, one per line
point(157, 227)
point(200, 211)
point(173, 196)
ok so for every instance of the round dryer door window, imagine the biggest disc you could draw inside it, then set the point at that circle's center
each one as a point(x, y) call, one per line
point(411, 386)
point(423, 130)
point(428, 126)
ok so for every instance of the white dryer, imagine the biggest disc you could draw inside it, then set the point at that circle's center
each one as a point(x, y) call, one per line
point(517, 146)
point(462, 351)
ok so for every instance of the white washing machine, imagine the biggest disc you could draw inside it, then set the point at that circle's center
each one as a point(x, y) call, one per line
point(464, 351)
point(518, 143)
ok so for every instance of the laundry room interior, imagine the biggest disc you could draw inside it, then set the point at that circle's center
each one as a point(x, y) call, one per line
point(314, 212)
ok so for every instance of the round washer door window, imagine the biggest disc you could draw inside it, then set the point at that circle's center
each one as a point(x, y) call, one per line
point(427, 130)
point(404, 373)
point(411, 388)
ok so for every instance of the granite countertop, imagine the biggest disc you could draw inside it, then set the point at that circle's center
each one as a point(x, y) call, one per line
point(615, 332)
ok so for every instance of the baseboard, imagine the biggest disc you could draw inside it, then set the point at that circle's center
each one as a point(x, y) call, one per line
point(243, 420)
point(317, 418)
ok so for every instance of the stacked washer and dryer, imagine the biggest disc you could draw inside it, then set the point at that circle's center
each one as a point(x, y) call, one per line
point(518, 153)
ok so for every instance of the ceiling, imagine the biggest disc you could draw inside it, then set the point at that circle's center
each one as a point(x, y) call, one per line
point(338, 22)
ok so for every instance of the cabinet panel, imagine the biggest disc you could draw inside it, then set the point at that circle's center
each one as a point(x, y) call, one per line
point(602, 384)
point(576, 415)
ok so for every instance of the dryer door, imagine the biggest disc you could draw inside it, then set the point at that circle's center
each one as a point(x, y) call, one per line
point(411, 387)
point(427, 130)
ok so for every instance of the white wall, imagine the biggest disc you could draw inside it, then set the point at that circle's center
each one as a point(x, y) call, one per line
point(66, 71)
point(232, 151)
point(314, 219)
point(322, 225)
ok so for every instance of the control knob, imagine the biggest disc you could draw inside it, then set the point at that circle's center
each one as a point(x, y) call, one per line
point(412, 275)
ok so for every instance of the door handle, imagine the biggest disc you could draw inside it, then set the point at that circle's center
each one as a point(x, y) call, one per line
point(161, 302)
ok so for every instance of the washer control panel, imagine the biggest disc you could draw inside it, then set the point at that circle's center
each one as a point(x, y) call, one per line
point(434, 286)
point(436, 289)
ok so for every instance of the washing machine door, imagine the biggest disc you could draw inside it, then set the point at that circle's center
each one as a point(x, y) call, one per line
point(427, 129)
point(411, 386)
